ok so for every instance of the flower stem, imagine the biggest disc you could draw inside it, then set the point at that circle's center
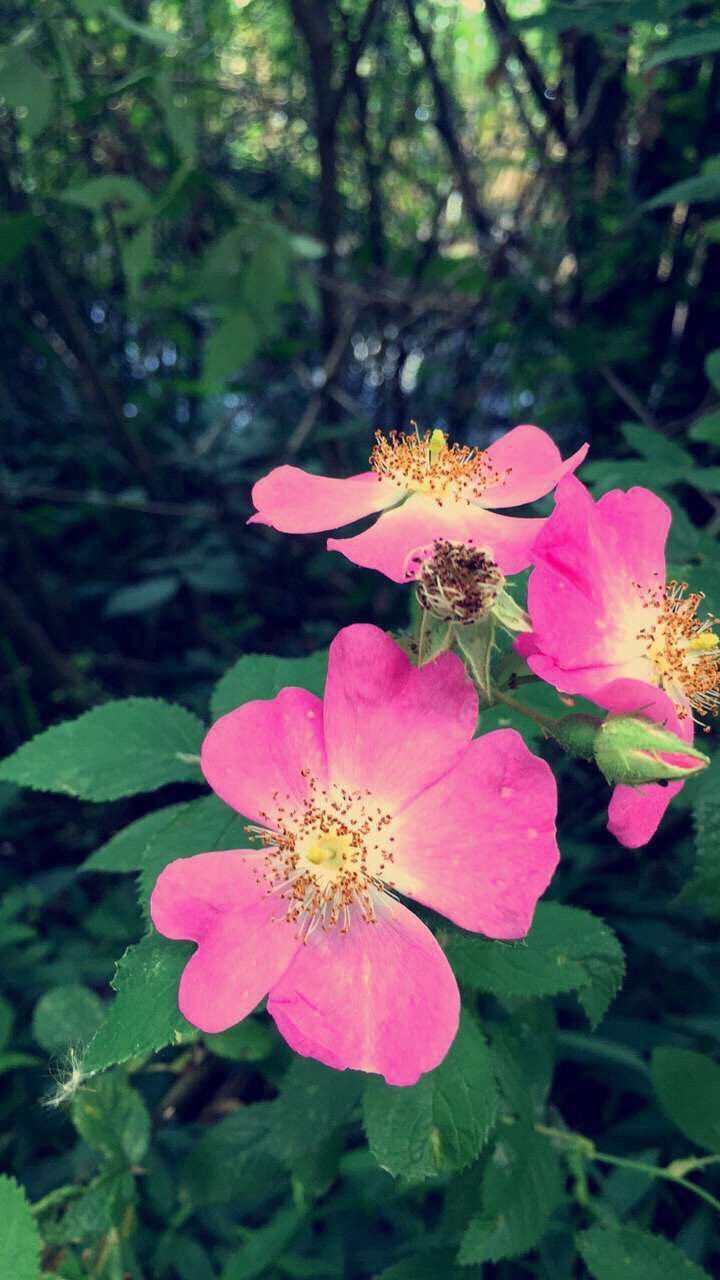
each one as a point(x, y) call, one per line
point(586, 1148)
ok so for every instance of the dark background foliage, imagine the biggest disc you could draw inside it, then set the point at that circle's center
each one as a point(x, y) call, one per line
point(243, 232)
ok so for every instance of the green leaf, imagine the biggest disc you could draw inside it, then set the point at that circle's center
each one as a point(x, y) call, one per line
point(427, 1264)
point(627, 1253)
point(17, 231)
point(442, 1122)
point(567, 949)
point(249, 1041)
point(263, 1246)
point(232, 345)
point(127, 194)
point(117, 749)
point(712, 361)
point(25, 86)
point(126, 850)
point(314, 1101)
point(261, 675)
point(180, 120)
point(7, 1017)
point(706, 430)
point(697, 44)
point(705, 188)
point(201, 826)
point(142, 596)
point(101, 1208)
point(66, 1016)
point(19, 1238)
point(704, 888)
point(230, 1160)
point(522, 1185)
point(112, 1118)
point(656, 447)
point(688, 1089)
point(144, 1015)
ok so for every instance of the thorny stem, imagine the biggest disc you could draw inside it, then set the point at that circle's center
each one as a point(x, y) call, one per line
point(585, 1147)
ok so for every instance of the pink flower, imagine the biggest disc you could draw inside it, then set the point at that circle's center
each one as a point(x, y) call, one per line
point(606, 625)
point(425, 490)
point(377, 790)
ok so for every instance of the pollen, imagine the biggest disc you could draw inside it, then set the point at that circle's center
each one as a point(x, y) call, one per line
point(325, 860)
point(459, 582)
point(683, 648)
point(428, 464)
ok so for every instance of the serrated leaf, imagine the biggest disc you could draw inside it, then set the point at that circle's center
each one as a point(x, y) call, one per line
point(19, 1237)
point(101, 1208)
point(522, 1185)
point(66, 1016)
point(688, 1089)
point(112, 1118)
point(201, 826)
point(567, 949)
point(442, 1122)
point(627, 1253)
point(230, 1158)
point(118, 749)
point(126, 850)
point(262, 675)
point(656, 447)
point(313, 1102)
point(144, 1015)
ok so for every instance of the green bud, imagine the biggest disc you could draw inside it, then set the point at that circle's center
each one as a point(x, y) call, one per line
point(576, 734)
point(631, 750)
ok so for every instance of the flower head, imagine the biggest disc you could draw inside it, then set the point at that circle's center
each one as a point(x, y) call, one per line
point(608, 626)
point(375, 791)
point(424, 489)
point(455, 582)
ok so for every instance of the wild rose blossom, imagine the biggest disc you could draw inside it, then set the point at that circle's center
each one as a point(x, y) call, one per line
point(607, 625)
point(376, 790)
point(424, 490)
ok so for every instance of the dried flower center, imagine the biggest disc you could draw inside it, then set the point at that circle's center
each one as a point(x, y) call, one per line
point(458, 582)
point(683, 648)
point(428, 464)
point(326, 858)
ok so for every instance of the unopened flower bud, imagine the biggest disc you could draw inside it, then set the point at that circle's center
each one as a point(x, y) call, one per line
point(632, 750)
point(458, 582)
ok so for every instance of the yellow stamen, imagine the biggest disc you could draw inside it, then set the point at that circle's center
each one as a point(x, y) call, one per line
point(428, 464)
point(704, 643)
point(684, 650)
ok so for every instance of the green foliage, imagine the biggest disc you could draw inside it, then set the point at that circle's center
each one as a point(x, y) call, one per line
point(626, 1253)
point(565, 950)
point(261, 675)
point(521, 1186)
point(115, 750)
point(19, 1238)
point(112, 1118)
point(441, 1123)
point(65, 1017)
point(688, 1088)
point(143, 1016)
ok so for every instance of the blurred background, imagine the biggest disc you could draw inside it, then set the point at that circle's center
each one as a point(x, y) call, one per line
point(236, 233)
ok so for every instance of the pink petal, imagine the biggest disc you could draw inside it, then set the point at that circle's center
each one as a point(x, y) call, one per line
point(635, 813)
point(535, 466)
point(585, 606)
point(191, 893)
point(213, 899)
point(294, 501)
point(253, 758)
point(390, 727)
point(388, 545)
point(381, 997)
point(479, 845)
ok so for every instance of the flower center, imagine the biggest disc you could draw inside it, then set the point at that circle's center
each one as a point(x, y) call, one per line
point(326, 858)
point(458, 582)
point(428, 464)
point(683, 648)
